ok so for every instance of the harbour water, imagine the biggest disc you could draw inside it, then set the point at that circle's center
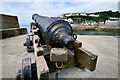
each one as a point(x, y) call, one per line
point(113, 33)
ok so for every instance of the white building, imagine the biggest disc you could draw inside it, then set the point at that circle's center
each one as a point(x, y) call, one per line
point(75, 14)
point(93, 15)
point(83, 13)
point(90, 23)
point(69, 20)
point(114, 18)
point(66, 14)
point(112, 22)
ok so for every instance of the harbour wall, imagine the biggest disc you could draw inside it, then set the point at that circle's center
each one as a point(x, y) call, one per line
point(9, 26)
point(95, 28)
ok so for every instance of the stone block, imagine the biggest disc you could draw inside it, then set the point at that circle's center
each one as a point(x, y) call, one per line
point(59, 55)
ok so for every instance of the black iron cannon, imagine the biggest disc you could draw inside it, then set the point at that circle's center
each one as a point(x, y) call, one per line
point(55, 32)
point(55, 47)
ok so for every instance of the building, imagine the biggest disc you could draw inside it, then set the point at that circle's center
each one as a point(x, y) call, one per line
point(83, 13)
point(113, 18)
point(75, 14)
point(93, 15)
point(66, 14)
point(69, 20)
point(119, 6)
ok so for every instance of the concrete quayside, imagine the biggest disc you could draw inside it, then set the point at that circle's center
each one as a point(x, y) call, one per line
point(106, 47)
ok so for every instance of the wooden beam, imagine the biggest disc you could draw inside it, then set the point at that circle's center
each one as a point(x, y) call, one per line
point(41, 64)
point(85, 58)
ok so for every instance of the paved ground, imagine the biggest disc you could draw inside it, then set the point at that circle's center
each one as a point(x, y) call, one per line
point(106, 47)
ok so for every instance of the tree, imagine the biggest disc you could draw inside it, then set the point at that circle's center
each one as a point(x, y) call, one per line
point(103, 17)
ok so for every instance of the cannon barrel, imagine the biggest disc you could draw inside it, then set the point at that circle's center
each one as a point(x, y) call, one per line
point(55, 32)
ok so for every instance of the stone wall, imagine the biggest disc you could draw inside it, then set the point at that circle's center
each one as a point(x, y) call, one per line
point(9, 26)
point(8, 21)
point(13, 32)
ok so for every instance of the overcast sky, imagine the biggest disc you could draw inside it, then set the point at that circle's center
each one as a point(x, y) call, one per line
point(24, 10)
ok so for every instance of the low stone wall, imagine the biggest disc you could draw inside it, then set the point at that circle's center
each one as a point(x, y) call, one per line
point(12, 32)
point(108, 29)
point(83, 28)
point(96, 28)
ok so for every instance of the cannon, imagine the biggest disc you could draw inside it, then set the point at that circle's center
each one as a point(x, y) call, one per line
point(55, 47)
point(55, 32)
